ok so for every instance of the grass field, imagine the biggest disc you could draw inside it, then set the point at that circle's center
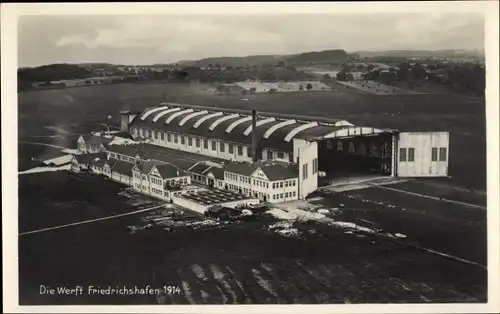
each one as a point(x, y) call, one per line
point(233, 263)
point(69, 112)
point(246, 262)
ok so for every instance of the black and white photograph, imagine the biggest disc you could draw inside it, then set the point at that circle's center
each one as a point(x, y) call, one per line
point(208, 154)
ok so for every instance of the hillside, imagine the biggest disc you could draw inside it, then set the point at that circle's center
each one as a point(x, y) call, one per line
point(448, 53)
point(233, 61)
point(337, 56)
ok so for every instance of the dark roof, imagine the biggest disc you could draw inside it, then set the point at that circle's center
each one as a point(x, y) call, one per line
point(145, 167)
point(275, 171)
point(89, 158)
point(129, 150)
point(98, 140)
point(123, 167)
point(217, 172)
point(199, 168)
point(169, 171)
point(276, 140)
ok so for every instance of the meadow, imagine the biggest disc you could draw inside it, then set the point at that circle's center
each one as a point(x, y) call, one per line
point(66, 113)
point(248, 263)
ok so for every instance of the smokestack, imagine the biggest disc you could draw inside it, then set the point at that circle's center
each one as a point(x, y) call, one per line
point(254, 136)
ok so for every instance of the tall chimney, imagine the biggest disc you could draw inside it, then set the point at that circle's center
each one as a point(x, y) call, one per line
point(254, 136)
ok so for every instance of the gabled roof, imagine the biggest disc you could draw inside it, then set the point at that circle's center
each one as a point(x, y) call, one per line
point(217, 172)
point(123, 167)
point(97, 140)
point(198, 168)
point(169, 171)
point(275, 171)
point(89, 158)
point(129, 150)
point(146, 167)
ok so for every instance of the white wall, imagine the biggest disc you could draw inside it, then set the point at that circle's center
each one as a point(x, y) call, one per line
point(422, 143)
point(305, 152)
point(246, 149)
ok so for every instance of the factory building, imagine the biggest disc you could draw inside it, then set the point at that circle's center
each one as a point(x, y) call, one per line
point(330, 147)
point(266, 156)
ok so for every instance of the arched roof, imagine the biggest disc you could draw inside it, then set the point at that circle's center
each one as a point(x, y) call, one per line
point(236, 133)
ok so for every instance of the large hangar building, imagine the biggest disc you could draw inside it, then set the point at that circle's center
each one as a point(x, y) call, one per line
point(336, 148)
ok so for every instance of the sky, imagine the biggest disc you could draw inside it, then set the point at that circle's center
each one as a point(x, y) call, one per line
point(153, 39)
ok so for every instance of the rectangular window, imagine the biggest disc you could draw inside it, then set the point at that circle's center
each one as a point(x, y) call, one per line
point(205, 144)
point(286, 184)
point(281, 195)
point(249, 151)
point(158, 135)
point(281, 155)
point(402, 154)
point(281, 184)
point(222, 147)
point(304, 171)
point(293, 182)
point(176, 138)
point(293, 193)
point(240, 150)
point(169, 137)
point(190, 141)
point(198, 142)
point(434, 156)
point(267, 185)
point(183, 140)
point(214, 145)
point(231, 148)
point(442, 154)
point(269, 154)
point(162, 136)
point(411, 154)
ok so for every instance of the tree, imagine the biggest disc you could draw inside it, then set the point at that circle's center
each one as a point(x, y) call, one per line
point(418, 72)
point(281, 64)
point(309, 86)
point(326, 78)
point(342, 75)
point(301, 87)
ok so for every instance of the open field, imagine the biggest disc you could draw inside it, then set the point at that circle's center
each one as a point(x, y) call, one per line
point(247, 262)
point(69, 112)
point(232, 263)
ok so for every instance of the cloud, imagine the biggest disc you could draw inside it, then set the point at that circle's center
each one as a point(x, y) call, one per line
point(168, 38)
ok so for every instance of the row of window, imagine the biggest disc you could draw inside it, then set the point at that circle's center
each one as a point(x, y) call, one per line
point(286, 195)
point(156, 181)
point(351, 148)
point(172, 137)
point(263, 184)
point(287, 183)
point(442, 154)
point(279, 155)
point(408, 154)
point(156, 191)
point(183, 139)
